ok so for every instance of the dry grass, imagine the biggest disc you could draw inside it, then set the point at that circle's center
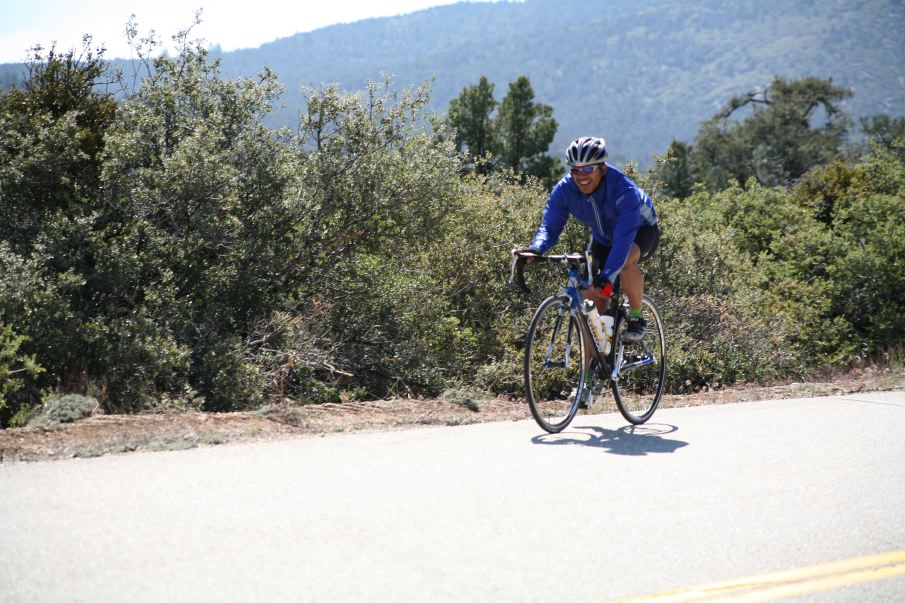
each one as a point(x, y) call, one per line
point(112, 434)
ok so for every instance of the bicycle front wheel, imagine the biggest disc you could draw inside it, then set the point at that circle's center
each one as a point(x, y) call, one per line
point(554, 359)
point(639, 368)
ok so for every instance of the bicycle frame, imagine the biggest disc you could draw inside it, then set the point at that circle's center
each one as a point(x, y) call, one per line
point(572, 290)
point(574, 284)
point(547, 348)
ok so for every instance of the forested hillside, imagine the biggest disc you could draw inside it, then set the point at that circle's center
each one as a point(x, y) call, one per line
point(641, 72)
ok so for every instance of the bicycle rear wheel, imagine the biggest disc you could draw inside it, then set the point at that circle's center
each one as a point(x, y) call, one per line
point(640, 367)
point(554, 359)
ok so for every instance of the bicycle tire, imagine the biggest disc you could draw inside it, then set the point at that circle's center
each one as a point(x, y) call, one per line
point(638, 390)
point(554, 364)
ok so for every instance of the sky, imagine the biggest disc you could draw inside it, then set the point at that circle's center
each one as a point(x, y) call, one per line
point(230, 23)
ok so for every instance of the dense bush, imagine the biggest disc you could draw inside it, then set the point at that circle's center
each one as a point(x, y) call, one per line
point(168, 250)
point(189, 261)
point(15, 368)
point(798, 279)
point(790, 127)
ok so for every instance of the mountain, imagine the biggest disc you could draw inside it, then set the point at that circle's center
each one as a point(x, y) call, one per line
point(639, 72)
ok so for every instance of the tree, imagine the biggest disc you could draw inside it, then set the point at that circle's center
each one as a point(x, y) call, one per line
point(886, 132)
point(469, 115)
point(52, 143)
point(526, 130)
point(52, 140)
point(673, 170)
point(792, 127)
point(518, 136)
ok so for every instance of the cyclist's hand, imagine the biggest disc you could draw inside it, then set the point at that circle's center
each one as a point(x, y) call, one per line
point(607, 290)
point(521, 256)
point(526, 253)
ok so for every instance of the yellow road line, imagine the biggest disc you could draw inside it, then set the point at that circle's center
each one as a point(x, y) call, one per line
point(787, 583)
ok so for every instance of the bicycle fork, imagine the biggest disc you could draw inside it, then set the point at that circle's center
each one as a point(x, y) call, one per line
point(564, 363)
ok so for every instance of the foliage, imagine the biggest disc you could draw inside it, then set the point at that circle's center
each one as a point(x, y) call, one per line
point(51, 140)
point(639, 73)
point(673, 171)
point(16, 369)
point(463, 397)
point(200, 238)
point(810, 274)
point(171, 250)
point(515, 139)
point(886, 132)
point(526, 130)
point(64, 409)
point(469, 117)
point(374, 178)
point(792, 127)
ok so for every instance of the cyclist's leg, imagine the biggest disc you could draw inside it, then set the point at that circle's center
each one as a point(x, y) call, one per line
point(646, 242)
point(631, 278)
point(599, 254)
point(647, 239)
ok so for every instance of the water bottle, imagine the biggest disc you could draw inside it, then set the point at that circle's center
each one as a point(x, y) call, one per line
point(603, 342)
point(608, 321)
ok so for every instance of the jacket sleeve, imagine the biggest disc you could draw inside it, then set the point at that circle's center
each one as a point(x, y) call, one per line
point(556, 213)
point(628, 220)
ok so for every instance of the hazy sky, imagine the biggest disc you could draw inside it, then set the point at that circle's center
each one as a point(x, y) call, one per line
point(230, 23)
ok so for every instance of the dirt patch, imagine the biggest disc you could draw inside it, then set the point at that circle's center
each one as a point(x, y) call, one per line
point(111, 434)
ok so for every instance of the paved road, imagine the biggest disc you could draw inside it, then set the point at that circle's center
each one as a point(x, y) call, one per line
point(495, 512)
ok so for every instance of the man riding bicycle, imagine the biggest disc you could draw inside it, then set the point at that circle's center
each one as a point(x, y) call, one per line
point(622, 220)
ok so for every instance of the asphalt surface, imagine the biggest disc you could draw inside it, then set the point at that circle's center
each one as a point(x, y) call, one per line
point(494, 512)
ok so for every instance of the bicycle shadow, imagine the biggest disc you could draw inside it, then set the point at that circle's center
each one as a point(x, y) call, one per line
point(631, 440)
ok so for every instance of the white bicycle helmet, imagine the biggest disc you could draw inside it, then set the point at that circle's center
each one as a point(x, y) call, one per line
point(586, 151)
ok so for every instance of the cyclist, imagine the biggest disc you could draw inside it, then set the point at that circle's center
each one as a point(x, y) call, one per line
point(623, 226)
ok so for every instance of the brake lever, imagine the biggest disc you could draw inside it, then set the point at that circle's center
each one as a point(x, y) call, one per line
point(515, 259)
point(517, 275)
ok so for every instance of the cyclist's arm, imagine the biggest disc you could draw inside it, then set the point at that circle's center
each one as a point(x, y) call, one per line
point(628, 220)
point(556, 213)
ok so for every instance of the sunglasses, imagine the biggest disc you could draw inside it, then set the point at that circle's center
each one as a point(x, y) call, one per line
point(586, 170)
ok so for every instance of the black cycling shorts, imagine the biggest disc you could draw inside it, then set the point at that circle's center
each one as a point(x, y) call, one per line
point(647, 239)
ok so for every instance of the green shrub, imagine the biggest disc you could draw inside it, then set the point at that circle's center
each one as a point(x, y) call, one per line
point(170, 250)
point(16, 370)
point(463, 396)
point(226, 377)
point(64, 409)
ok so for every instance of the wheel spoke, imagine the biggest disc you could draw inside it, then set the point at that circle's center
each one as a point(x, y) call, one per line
point(554, 360)
point(640, 368)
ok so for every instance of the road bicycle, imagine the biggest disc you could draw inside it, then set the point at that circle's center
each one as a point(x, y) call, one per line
point(566, 362)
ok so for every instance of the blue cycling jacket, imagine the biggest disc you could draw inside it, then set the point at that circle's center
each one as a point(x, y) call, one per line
point(614, 212)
